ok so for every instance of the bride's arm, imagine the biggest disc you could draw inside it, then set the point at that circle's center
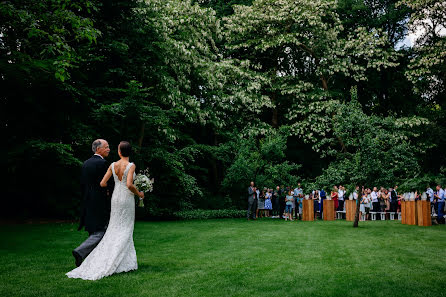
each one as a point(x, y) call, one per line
point(130, 184)
point(106, 177)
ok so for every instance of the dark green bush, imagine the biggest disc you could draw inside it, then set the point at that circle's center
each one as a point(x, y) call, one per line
point(209, 214)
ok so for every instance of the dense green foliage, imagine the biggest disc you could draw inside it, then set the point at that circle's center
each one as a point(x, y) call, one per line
point(204, 214)
point(214, 94)
point(233, 257)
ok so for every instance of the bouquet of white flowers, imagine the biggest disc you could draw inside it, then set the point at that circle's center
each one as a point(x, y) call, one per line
point(144, 184)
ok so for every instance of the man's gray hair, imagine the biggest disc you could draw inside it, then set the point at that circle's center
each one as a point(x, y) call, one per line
point(95, 145)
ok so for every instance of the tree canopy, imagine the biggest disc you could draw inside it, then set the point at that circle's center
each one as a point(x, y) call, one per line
point(214, 94)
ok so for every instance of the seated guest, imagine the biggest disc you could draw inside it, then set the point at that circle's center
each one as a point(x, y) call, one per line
point(289, 206)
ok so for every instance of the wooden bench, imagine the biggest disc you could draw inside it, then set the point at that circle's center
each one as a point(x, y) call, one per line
point(392, 215)
point(383, 215)
point(373, 214)
point(339, 214)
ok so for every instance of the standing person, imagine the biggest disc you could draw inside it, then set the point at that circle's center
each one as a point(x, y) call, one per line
point(368, 205)
point(375, 201)
point(382, 197)
point(315, 202)
point(363, 206)
point(289, 206)
point(252, 195)
point(295, 206)
point(440, 195)
point(431, 197)
point(276, 203)
point(282, 202)
point(116, 251)
point(298, 194)
point(355, 193)
point(399, 198)
point(300, 205)
point(393, 200)
point(95, 208)
point(323, 196)
point(260, 203)
point(334, 197)
point(341, 194)
point(268, 203)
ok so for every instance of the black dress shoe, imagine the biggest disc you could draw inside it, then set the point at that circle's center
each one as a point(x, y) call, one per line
point(77, 258)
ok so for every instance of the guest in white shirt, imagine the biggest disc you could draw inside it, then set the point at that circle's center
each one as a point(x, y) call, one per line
point(375, 201)
point(341, 193)
point(355, 193)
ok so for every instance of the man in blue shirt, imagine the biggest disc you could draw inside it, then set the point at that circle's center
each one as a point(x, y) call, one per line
point(321, 205)
point(440, 204)
point(298, 194)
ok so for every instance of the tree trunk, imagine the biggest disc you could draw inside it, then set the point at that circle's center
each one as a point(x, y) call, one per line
point(355, 223)
point(274, 120)
point(324, 83)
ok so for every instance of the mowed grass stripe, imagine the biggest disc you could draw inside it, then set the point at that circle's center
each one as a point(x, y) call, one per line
point(234, 257)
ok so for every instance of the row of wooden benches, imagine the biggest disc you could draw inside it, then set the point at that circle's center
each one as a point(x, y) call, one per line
point(374, 214)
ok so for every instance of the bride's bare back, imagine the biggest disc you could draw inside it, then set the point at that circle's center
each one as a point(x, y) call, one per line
point(120, 167)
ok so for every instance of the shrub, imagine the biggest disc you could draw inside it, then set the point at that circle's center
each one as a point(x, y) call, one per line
point(209, 214)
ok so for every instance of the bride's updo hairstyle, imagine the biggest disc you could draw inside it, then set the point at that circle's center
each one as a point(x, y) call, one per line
point(125, 148)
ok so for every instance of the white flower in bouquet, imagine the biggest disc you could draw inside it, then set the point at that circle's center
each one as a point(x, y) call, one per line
point(144, 184)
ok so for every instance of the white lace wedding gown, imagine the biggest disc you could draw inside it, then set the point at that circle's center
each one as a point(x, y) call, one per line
point(116, 251)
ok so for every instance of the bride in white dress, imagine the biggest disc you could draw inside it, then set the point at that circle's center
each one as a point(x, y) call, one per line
point(116, 251)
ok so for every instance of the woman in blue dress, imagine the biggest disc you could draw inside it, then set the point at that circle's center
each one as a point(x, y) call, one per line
point(268, 204)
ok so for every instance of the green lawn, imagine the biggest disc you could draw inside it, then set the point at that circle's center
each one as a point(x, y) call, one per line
point(236, 258)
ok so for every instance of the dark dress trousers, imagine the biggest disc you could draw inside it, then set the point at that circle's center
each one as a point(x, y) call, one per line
point(252, 205)
point(95, 208)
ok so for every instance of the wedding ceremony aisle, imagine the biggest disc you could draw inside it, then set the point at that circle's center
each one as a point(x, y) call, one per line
point(235, 257)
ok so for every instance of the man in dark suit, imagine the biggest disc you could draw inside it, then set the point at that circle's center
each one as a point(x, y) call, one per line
point(252, 205)
point(95, 207)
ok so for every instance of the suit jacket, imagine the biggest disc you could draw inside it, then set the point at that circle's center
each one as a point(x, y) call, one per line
point(95, 207)
point(251, 194)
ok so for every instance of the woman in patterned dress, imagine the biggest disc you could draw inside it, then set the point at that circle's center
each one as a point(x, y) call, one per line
point(268, 204)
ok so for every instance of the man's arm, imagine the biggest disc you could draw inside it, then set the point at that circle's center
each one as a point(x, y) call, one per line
point(250, 191)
